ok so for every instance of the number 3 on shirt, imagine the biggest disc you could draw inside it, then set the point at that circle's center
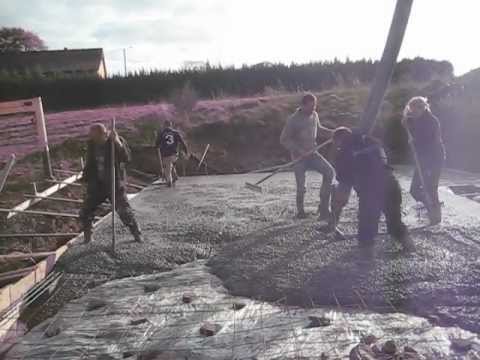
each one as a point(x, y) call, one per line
point(169, 139)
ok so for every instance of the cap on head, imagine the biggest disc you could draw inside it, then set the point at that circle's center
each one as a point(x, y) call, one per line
point(418, 101)
point(98, 127)
point(308, 98)
point(98, 132)
point(341, 132)
point(418, 104)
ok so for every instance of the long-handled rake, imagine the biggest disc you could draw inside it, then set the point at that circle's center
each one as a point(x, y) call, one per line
point(256, 187)
point(204, 155)
point(428, 199)
point(113, 186)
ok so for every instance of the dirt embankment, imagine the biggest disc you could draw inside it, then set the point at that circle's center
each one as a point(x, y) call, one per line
point(243, 134)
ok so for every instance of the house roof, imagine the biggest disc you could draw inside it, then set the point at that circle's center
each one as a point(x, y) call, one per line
point(53, 60)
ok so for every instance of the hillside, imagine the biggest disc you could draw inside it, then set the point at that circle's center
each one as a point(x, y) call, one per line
point(244, 132)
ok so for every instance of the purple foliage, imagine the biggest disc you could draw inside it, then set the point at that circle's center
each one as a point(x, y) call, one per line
point(18, 39)
point(17, 134)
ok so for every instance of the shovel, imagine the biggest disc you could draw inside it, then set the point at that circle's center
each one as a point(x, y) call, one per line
point(256, 187)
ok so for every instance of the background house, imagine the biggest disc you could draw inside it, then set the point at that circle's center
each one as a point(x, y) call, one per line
point(51, 63)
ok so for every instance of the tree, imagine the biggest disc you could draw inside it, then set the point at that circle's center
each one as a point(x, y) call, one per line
point(18, 39)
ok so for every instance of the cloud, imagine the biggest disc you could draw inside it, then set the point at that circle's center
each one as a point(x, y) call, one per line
point(157, 31)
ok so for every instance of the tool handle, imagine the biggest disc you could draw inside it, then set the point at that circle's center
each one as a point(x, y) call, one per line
point(112, 176)
point(293, 162)
point(203, 156)
point(428, 199)
point(316, 148)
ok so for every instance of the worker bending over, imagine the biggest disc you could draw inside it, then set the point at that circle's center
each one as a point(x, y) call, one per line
point(361, 164)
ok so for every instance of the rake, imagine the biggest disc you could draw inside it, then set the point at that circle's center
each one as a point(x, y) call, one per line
point(256, 187)
point(428, 199)
point(203, 156)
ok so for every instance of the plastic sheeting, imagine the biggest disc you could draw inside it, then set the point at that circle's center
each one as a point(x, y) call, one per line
point(160, 317)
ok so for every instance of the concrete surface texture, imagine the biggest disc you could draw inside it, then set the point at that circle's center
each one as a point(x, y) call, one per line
point(300, 263)
point(187, 314)
point(260, 251)
point(182, 224)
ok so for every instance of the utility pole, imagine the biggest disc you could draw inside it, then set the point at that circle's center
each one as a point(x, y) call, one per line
point(125, 62)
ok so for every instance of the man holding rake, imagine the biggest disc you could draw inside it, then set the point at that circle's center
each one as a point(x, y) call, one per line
point(425, 138)
point(299, 136)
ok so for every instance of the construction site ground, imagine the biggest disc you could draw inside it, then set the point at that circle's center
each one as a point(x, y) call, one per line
point(259, 250)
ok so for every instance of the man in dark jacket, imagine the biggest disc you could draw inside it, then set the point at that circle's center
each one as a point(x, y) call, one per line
point(97, 175)
point(168, 141)
point(361, 164)
point(425, 138)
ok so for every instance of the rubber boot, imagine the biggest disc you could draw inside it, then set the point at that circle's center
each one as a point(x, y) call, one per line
point(300, 206)
point(407, 243)
point(332, 227)
point(323, 213)
point(435, 215)
point(137, 234)
point(87, 235)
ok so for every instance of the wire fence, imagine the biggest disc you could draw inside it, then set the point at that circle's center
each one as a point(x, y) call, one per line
point(273, 330)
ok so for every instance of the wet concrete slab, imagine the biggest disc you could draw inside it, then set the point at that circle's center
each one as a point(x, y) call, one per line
point(261, 251)
point(301, 264)
point(148, 317)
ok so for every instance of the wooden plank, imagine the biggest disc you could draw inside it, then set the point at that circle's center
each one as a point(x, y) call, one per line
point(68, 172)
point(42, 137)
point(17, 107)
point(469, 194)
point(6, 236)
point(6, 171)
point(63, 182)
point(135, 186)
point(52, 198)
point(16, 273)
point(51, 190)
point(26, 256)
point(39, 212)
point(13, 293)
point(141, 173)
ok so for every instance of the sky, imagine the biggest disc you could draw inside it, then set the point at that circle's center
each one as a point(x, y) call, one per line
point(164, 34)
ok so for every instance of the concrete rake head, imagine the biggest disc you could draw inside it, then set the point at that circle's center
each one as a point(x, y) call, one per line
point(253, 187)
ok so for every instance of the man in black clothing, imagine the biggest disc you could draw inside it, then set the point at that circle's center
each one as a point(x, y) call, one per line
point(361, 164)
point(425, 137)
point(97, 175)
point(168, 141)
